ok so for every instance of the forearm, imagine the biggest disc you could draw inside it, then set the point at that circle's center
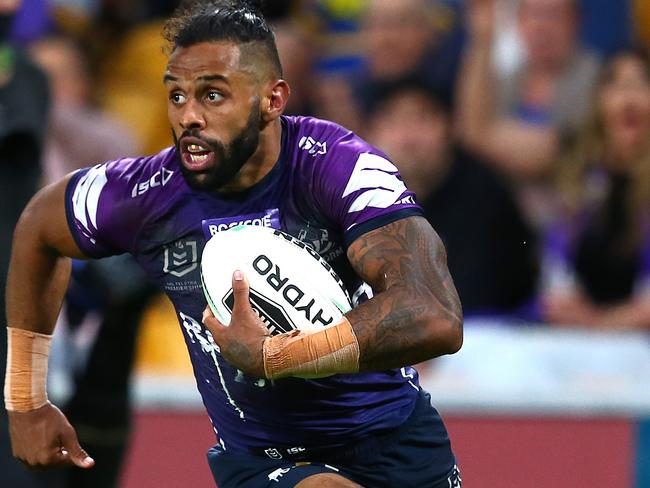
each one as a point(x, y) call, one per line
point(518, 148)
point(416, 314)
point(389, 331)
point(39, 269)
point(398, 328)
point(475, 93)
point(37, 281)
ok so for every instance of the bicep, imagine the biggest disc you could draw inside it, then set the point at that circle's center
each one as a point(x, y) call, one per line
point(406, 253)
point(415, 314)
point(45, 220)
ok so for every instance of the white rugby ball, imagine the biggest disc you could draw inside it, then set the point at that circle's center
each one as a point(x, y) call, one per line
point(291, 285)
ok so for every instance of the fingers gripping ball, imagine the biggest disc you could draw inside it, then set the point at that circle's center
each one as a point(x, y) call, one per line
point(291, 286)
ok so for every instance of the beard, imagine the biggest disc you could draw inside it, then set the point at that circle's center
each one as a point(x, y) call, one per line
point(229, 158)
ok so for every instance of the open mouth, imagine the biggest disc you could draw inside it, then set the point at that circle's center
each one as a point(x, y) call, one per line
point(196, 155)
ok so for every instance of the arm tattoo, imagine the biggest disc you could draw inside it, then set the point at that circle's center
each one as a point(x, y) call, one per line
point(416, 313)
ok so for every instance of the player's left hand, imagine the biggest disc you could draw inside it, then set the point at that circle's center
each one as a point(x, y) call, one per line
point(242, 341)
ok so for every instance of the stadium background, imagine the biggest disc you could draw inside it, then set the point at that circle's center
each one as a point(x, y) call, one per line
point(527, 403)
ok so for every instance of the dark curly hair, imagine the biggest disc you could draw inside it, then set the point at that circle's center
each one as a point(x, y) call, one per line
point(238, 21)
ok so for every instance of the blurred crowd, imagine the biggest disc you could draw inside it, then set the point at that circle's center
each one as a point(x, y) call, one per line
point(523, 126)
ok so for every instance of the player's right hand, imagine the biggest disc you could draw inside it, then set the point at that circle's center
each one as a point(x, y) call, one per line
point(44, 437)
point(242, 342)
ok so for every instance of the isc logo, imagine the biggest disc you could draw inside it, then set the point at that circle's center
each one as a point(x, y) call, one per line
point(159, 178)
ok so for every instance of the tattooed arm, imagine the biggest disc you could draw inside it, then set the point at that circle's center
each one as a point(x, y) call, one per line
point(416, 314)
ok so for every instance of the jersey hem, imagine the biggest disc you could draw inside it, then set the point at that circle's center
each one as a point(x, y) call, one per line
point(358, 230)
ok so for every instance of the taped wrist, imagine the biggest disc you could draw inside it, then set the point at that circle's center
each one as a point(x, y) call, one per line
point(26, 375)
point(325, 352)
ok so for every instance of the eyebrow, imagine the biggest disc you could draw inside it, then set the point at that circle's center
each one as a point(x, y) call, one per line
point(170, 78)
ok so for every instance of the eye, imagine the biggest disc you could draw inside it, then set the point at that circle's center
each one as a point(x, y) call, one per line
point(177, 98)
point(214, 96)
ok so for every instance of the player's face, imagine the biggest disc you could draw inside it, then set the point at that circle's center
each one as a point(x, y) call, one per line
point(214, 110)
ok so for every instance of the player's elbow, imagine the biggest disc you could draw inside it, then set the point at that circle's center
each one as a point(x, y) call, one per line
point(456, 338)
point(446, 335)
point(453, 335)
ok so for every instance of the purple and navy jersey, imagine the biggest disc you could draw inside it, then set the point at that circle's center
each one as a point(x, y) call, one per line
point(327, 188)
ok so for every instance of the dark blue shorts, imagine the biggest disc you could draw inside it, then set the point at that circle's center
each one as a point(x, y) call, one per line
point(417, 455)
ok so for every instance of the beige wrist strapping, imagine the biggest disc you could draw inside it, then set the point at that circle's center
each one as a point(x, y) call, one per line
point(26, 375)
point(332, 350)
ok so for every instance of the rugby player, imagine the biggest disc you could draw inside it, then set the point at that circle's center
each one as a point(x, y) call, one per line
point(339, 407)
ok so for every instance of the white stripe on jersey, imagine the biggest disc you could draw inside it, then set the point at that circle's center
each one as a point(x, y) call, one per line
point(85, 199)
point(378, 177)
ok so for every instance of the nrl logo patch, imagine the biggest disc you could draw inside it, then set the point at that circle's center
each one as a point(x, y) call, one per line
point(181, 258)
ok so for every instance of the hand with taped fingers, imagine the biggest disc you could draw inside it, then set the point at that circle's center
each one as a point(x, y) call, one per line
point(242, 342)
point(44, 437)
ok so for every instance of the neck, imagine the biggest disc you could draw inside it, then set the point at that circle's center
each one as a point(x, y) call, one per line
point(261, 162)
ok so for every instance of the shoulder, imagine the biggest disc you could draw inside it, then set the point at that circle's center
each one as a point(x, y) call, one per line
point(141, 175)
point(109, 203)
point(328, 151)
point(136, 185)
point(317, 137)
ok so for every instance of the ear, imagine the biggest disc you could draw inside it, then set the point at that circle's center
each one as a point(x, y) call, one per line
point(275, 100)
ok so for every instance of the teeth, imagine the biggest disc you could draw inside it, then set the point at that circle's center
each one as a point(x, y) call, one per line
point(195, 148)
point(198, 158)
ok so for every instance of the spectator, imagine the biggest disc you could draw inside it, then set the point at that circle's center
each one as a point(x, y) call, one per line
point(297, 55)
point(126, 44)
point(598, 250)
point(516, 122)
point(491, 253)
point(407, 38)
point(395, 40)
point(97, 137)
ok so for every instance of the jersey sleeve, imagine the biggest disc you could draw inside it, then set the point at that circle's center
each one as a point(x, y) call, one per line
point(361, 189)
point(101, 214)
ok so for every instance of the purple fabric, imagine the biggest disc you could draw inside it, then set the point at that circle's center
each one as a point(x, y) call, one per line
point(327, 186)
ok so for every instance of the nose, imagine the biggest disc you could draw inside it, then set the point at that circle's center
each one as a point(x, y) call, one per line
point(192, 116)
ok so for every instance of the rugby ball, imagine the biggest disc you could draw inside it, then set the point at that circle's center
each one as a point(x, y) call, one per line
point(291, 285)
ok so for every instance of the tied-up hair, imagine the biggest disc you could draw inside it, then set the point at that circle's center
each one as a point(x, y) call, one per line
point(237, 21)
point(582, 162)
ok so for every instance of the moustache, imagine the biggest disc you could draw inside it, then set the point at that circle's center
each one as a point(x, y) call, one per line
point(212, 143)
